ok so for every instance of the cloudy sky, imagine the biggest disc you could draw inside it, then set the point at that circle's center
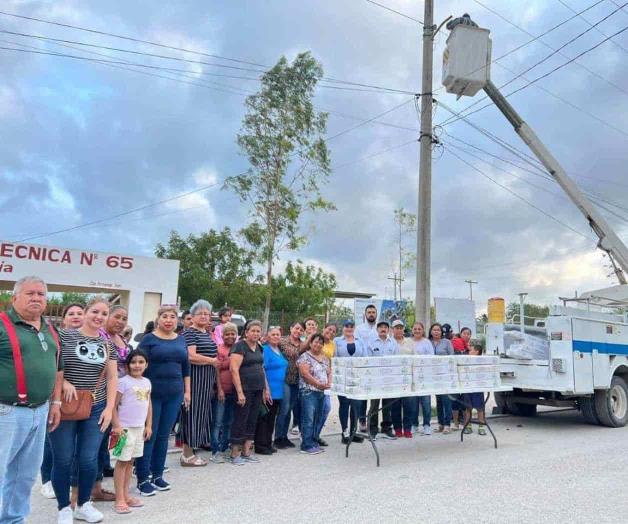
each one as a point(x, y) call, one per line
point(82, 141)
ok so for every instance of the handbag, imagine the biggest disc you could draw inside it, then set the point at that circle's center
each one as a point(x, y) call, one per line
point(80, 408)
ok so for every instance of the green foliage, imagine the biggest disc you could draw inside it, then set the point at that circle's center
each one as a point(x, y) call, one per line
point(213, 266)
point(71, 297)
point(303, 290)
point(530, 311)
point(283, 138)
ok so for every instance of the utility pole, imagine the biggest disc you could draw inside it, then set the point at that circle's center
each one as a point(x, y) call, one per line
point(396, 279)
point(424, 215)
point(471, 282)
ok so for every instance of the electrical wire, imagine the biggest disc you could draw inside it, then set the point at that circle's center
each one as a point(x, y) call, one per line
point(394, 11)
point(515, 194)
point(198, 53)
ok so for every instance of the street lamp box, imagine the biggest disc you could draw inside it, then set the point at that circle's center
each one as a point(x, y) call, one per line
point(467, 60)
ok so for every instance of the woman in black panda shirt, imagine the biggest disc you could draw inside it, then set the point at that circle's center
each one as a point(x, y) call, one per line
point(89, 364)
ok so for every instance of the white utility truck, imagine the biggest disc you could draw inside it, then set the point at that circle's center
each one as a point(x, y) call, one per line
point(579, 360)
point(585, 360)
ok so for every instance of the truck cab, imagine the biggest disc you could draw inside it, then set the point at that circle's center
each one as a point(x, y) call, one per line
point(578, 359)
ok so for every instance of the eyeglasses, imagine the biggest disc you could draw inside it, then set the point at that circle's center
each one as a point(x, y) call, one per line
point(42, 341)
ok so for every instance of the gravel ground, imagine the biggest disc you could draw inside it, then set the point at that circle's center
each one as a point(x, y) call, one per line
point(552, 468)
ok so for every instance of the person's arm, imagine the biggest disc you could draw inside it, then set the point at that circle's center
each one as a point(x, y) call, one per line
point(148, 425)
point(187, 392)
point(219, 391)
point(234, 366)
point(329, 375)
point(200, 360)
point(116, 429)
point(111, 375)
point(306, 375)
point(267, 396)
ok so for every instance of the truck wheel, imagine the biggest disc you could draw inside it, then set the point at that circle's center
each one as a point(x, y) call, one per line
point(521, 410)
point(501, 401)
point(611, 405)
point(587, 408)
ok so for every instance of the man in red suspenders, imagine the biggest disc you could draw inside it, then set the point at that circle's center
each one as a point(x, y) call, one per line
point(30, 376)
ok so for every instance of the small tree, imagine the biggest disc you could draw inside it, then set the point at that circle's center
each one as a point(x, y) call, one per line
point(283, 138)
point(405, 223)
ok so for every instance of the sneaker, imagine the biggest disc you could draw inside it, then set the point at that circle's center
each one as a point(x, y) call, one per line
point(389, 434)
point(407, 434)
point(294, 430)
point(415, 429)
point(398, 433)
point(237, 461)
point(251, 458)
point(362, 427)
point(482, 430)
point(322, 443)
point(427, 430)
point(280, 443)
point(88, 513)
point(311, 451)
point(146, 489)
point(358, 439)
point(217, 458)
point(166, 469)
point(65, 516)
point(47, 491)
point(344, 439)
point(160, 484)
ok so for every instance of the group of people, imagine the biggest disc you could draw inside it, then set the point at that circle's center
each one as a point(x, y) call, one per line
point(76, 393)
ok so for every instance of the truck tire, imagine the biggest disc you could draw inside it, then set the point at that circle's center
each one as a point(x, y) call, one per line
point(501, 401)
point(521, 410)
point(587, 408)
point(611, 405)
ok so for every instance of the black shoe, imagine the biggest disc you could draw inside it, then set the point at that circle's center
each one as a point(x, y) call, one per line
point(289, 444)
point(206, 447)
point(322, 443)
point(358, 439)
point(280, 444)
point(389, 434)
point(273, 449)
point(107, 472)
point(263, 451)
point(344, 440)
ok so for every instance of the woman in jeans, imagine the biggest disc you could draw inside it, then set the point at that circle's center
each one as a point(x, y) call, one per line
point(275, 367)
point(314, 379)
point(348, 346)
point(422, 346)
point(90, 365)
point(72, 318)
point(222, 405)
point(169, 373)
point(249, 381)
point(442, 347)
point(290, 347)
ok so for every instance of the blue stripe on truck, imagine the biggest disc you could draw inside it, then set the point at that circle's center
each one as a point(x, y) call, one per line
point(586, 346)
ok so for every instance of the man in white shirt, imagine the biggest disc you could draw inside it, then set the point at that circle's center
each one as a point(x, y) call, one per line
point(382, 346)
point(368, 330)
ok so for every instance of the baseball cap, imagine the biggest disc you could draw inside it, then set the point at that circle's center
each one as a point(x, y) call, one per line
point(446, 328)
point(398, 323)
point(383, 323)
point(348, 323)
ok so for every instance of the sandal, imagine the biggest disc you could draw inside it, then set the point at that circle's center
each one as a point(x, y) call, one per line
point(192, 462)
point(104, 495)
point(440, 429)
point(446, 431)
point(122, 509)
point(134, 502)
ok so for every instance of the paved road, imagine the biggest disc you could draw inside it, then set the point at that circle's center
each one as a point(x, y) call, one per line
point(552, 468)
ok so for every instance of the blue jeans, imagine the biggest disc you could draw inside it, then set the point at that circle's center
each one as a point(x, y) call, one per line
point(324, 414)
point(443, 410)
point(290, 398)
point(22, 434)
point(84, 437)
point(312, 403)
point(165, 412)
point(222, 418)
point(348, 412)
point(403, 413)
point(426, 406)
point(46, 463)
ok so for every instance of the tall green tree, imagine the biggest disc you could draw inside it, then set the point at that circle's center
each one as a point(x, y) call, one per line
point(303, 290)
point(283, 137)
point(530, 311)
point(213, 266)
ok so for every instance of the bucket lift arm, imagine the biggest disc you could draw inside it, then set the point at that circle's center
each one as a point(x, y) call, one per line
point(608, 242)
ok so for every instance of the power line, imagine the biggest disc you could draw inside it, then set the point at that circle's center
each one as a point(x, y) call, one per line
point(394, 11)
point(617, 44)
point(199, 53)
point(515, 194)
point(523, 30)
